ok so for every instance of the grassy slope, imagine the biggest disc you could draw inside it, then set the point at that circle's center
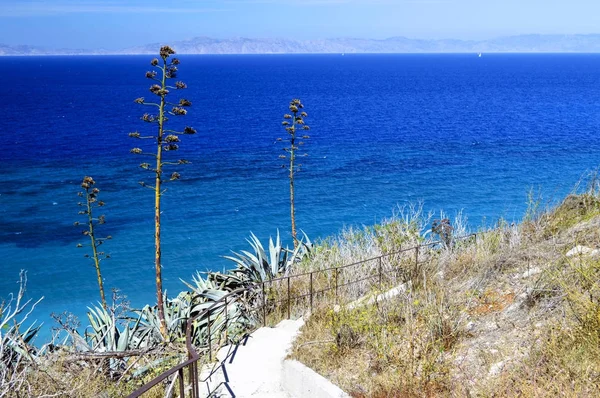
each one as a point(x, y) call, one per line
point(509, 315)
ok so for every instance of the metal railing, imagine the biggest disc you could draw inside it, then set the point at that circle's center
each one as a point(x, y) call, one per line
point(259, 292)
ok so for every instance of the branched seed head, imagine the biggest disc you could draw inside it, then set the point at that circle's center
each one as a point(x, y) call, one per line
point(165, 138)
point(165, 52)
point(148, 118)
point(183, 161)
point(87, 182)
point(290, 121)
point(139, 100)
point(158, 90)
point(171, 72)
point(177, 111)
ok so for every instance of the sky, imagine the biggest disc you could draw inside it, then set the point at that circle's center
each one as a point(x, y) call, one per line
point(115, 24)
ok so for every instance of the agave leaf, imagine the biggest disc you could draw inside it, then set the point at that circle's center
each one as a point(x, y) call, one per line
point(123, 340)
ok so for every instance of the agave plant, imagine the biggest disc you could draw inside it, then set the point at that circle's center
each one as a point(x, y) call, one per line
point(224, 319)
point(104, 335)
point(212, 282)
point(16, 344)
point(240, 308)
point(306, 246)
point(259, 266)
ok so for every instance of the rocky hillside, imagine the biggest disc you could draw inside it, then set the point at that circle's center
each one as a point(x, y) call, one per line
point(514, 313)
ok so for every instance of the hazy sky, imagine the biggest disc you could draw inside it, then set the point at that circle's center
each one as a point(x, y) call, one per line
point(115, 24)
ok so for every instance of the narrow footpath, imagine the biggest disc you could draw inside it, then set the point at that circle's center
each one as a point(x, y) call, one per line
point(257, 367)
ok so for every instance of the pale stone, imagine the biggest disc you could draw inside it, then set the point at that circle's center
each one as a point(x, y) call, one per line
point(531, 272)
point(578, 251)
point(496, 368)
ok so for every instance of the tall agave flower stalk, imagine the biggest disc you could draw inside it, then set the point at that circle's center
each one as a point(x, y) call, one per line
point(91, 201)
point(292, 146)
point(165, 140)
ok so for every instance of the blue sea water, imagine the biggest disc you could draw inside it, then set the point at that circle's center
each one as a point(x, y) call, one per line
point(455, 131)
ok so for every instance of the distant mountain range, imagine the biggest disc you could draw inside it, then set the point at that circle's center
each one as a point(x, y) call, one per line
point(206, 45)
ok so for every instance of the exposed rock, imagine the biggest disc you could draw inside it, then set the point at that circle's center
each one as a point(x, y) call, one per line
point(496, 368)
point(531, 272)
point(580, 251)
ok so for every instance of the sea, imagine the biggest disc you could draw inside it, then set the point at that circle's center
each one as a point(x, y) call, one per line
point(455, 132)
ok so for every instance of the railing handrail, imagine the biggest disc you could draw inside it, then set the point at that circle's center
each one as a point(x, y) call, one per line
point(188, 330)
point(363, 261)
point(193, 355)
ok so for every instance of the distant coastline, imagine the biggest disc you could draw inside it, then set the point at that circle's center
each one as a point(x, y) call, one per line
point(589, 43)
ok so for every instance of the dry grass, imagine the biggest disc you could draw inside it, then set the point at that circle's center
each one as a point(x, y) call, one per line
point(508, 315)
point(363, 350)
point(67, 375)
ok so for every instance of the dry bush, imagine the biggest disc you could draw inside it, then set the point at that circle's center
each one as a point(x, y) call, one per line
point(400, 347)
point(405, 347)
point(64, 374)
point(564, 364)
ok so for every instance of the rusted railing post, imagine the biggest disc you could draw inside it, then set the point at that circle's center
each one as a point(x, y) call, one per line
point(416, 260)
point(226, 319)
point(209, 338)
point(336, 272)
point(264, 305)
point(289, 299)
point(181, 386)
point(195, 383)
point(380, 274)
point(311, 292)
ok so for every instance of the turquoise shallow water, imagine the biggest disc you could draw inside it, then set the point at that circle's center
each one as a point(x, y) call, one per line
point(455, 131)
